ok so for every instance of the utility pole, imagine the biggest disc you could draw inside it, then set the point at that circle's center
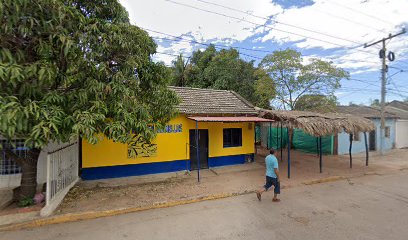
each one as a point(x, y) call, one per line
point(384, 69)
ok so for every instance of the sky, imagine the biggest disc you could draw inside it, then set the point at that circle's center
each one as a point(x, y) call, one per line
point(333, 30)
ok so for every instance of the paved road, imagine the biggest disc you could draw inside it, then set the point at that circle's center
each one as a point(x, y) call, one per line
point(371, 207)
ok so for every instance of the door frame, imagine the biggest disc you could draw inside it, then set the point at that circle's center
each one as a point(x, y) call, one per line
point(207, 150)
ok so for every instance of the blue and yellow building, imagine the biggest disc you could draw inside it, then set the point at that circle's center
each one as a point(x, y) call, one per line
point(220, 121)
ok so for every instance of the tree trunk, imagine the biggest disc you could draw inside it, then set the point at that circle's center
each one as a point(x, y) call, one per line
point(28, 185)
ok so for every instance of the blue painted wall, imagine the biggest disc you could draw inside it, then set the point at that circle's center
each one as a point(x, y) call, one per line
point(134, 169)
point(226, 160)
point(344, 144)
point(389, 142)
point(359, 146)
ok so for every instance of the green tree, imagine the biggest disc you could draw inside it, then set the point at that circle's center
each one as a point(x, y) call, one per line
point(375, 103)
point(294, 78)
point(178, 71)
point(225, 70)
point(316, 103)
point(72, 69)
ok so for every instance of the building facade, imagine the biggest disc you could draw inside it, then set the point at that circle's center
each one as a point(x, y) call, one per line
point(374, 137)
point(223, 120)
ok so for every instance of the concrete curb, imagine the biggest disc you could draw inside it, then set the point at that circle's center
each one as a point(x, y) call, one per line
point(72, 217)
point(324, 180)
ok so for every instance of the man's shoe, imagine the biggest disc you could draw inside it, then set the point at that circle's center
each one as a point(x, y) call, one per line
point(275, 200)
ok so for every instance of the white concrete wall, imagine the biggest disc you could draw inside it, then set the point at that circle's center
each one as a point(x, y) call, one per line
point(401, 134)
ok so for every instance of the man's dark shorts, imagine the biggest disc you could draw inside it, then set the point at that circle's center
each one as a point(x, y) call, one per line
point(270, 181)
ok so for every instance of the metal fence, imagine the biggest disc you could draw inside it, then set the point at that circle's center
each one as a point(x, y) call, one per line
point(62, 171)
point(7, 165)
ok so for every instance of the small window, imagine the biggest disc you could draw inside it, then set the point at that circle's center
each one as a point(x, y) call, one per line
point(356, 137)
point(7, 165)
point(232, 137)
point(387, 132)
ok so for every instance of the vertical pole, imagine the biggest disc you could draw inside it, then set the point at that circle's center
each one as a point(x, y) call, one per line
point(277, 137)
point(351, 145)
point(383, 82)
point(366, 147)
point(48, 184)
point(198, 153)
point(270, 136)
point(288, 153)
point(320, 154)
point(317, 146)
point(281, 146)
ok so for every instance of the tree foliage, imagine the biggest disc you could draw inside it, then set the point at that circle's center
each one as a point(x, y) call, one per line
point(294, 78)
point(316, 103)
point(78, 68)
point(224, 70)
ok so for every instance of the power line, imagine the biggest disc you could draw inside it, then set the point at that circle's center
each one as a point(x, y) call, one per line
point(344, 19)
point(256, 24)
point(363, 13)
point(279, 22)
point(196, 42)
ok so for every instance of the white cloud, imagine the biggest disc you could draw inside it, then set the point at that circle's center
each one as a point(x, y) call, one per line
point(173, 19)
point(332, 17)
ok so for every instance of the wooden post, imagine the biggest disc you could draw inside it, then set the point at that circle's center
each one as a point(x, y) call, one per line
point(320, 155)
point(366, 147)
point(317, 146)
point(281, 146)
point(289, 153)
point(351, 145)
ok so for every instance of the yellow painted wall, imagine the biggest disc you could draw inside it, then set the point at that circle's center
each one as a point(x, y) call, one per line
point(170, 146)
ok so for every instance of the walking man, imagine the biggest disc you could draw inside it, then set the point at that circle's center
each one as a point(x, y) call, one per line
point(272, 176)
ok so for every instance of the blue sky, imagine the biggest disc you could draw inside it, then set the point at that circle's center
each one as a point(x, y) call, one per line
point(333, 30)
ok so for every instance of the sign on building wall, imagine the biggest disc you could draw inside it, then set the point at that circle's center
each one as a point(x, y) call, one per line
point(171, 128)
point(140, 148)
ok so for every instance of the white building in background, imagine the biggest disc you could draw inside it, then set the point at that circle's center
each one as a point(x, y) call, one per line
point(400, 109)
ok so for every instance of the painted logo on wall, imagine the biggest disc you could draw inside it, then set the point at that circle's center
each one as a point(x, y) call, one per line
point(140, 148)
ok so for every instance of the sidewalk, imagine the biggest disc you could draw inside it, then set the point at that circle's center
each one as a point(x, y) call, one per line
point(114, 196)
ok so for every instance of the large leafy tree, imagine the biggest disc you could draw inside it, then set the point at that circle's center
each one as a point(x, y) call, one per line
point(224, 69)
point(316, 103)
point(72, 69)
point(294, 78)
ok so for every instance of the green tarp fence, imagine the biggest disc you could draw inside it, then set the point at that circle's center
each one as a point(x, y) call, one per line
point(307, 143)
point(257, 134)
point(301, 141)
point(274, 138)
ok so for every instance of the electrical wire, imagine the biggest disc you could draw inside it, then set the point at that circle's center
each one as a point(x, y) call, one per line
point(259, 25)
point(279, 22)
point(363, 13)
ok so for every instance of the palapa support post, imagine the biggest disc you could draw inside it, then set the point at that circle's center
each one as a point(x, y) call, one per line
point(198, 153)
point(281, 146)
point(288, 153)
point(277, 138)
point(269, 144)
point(317, 146)
point(351, 145)
point(366, 147)
point(320, 155)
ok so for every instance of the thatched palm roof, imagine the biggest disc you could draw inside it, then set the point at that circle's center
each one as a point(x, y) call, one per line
point(319, 124)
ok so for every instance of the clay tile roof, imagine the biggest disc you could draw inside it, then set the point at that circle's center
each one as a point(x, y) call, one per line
point(210, 101)
point(399, 104)
point(363, 111)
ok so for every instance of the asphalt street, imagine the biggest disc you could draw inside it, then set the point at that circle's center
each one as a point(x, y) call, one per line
point(369, 207)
